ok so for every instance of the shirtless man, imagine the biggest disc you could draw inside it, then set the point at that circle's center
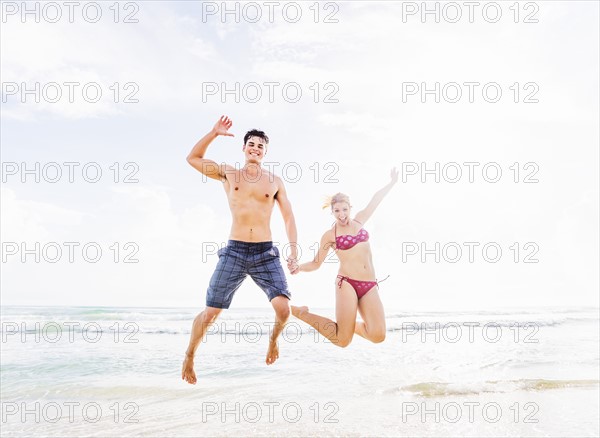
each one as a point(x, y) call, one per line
point(251, 192)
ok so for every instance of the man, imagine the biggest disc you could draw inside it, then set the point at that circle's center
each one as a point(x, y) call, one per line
point(251, 192)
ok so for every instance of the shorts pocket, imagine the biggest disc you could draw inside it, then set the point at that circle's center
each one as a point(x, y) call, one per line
point(274, 251)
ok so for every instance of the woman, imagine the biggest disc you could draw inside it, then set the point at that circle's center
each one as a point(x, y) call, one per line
point(356, 286)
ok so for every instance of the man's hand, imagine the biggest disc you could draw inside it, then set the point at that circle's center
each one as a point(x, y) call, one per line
point(222, 126)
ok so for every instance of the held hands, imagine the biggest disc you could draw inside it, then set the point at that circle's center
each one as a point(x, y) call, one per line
point(222, 126)
point(293, 266)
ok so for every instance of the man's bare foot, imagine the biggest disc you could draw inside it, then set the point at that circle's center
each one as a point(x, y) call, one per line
point(273, 353)
point(187, 371)
point(298, 311)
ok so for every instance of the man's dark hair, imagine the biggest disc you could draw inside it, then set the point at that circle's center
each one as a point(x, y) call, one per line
point(256, 133)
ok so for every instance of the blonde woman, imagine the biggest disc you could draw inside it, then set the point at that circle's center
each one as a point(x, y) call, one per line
point(356, 286)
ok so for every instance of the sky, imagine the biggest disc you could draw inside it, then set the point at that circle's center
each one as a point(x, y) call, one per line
point(490, 114)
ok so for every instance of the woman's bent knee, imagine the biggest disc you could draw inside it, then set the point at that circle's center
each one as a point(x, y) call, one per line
point(378, 337)
point(344, 342)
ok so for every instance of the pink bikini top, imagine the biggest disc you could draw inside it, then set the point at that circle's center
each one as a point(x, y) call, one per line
point(347, 241)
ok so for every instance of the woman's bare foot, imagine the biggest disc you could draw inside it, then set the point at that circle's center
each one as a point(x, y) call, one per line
point(187, 371)
point(272, 353)
point(299, 311)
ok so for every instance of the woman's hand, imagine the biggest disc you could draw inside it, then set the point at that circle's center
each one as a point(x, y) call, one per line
point(394, 175)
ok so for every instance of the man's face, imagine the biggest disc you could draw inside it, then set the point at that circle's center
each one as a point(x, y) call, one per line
point(255, 149)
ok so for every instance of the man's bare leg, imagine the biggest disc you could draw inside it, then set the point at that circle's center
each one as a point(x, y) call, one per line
point(199, 327)
point(281, 305)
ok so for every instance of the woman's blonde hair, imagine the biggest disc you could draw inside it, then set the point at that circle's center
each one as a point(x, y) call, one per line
point(338, 197)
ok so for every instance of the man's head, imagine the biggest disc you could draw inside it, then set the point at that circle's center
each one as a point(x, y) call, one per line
point(255, 145)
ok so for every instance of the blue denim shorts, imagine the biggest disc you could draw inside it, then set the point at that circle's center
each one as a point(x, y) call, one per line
point(239, 259)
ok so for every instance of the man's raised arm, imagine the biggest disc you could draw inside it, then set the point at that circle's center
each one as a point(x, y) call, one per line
point(196, 156)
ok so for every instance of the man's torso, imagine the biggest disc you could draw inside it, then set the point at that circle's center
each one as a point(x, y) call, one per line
point(251, 197)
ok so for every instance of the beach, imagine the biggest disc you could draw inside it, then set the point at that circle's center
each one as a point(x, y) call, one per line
point(109, 371)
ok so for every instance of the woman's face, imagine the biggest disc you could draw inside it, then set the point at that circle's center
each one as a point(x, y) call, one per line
point(341, 211)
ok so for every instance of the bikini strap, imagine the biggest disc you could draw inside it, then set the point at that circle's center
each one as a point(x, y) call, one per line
point(379, 281)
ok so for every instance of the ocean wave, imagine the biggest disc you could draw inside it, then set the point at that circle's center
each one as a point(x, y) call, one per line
point(411, 325)
point(264, 326)
point(441, 389)
point(246, 321)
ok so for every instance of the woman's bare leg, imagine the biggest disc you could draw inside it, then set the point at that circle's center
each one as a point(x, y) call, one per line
point(371, 311)
point(339, 332)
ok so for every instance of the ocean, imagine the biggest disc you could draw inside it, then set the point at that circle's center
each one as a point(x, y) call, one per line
point(115, 371)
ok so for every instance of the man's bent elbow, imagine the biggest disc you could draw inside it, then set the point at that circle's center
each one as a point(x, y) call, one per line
point(196, 163)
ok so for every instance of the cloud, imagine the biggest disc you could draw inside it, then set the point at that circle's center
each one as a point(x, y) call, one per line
point(170, 248)
point(159, 54)
point(24, 219)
